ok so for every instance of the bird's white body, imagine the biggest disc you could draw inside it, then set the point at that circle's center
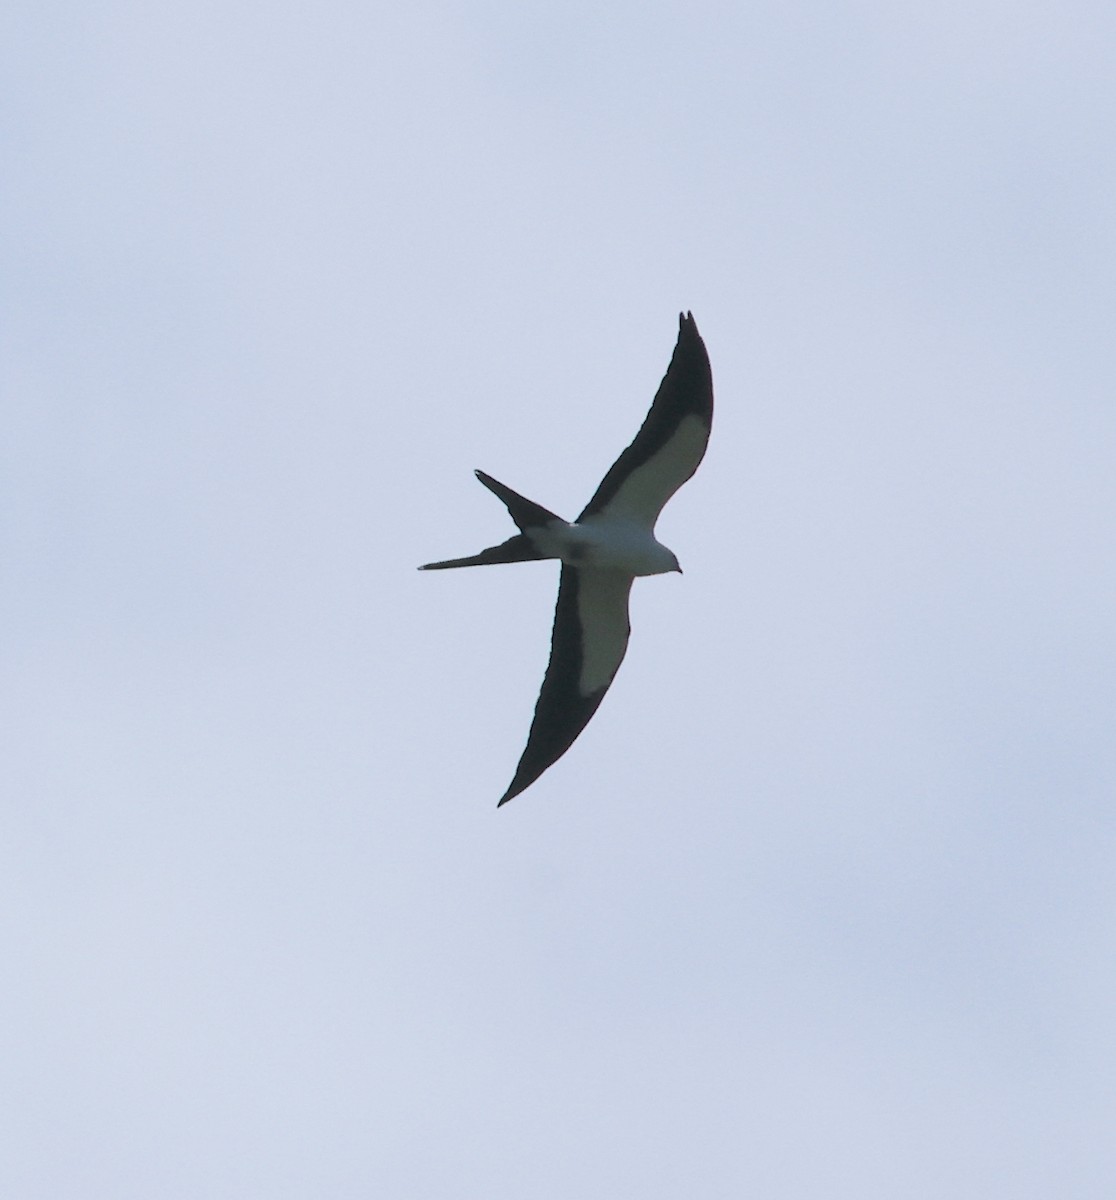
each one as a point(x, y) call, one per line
point(605, 541)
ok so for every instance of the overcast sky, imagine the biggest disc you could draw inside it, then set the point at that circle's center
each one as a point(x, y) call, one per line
point(823, 902)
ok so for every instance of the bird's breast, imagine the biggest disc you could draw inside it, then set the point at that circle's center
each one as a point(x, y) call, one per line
point(616, 545)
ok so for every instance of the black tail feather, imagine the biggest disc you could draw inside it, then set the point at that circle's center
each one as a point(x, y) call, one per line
point(516, 549)
point(525, 513)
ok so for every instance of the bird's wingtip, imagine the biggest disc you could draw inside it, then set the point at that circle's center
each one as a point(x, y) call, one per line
point(686, 323)
point(510, 794)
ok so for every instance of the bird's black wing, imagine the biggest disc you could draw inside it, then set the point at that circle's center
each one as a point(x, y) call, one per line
point(670, 443)
point(587, 647)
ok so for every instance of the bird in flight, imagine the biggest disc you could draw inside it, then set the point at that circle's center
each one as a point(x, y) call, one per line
point(602, 552)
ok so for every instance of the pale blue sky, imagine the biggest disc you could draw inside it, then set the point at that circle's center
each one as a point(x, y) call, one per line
point(822, 903)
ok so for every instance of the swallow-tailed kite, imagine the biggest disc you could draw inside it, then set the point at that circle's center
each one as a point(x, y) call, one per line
point(609, 544)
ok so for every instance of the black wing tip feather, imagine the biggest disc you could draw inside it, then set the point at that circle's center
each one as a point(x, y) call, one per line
point(547, 744)
point(687, 386)
point(511, 793)
point(687, 326)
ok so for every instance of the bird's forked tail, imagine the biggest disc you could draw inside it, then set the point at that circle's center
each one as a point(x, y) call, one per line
point(525, 513)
